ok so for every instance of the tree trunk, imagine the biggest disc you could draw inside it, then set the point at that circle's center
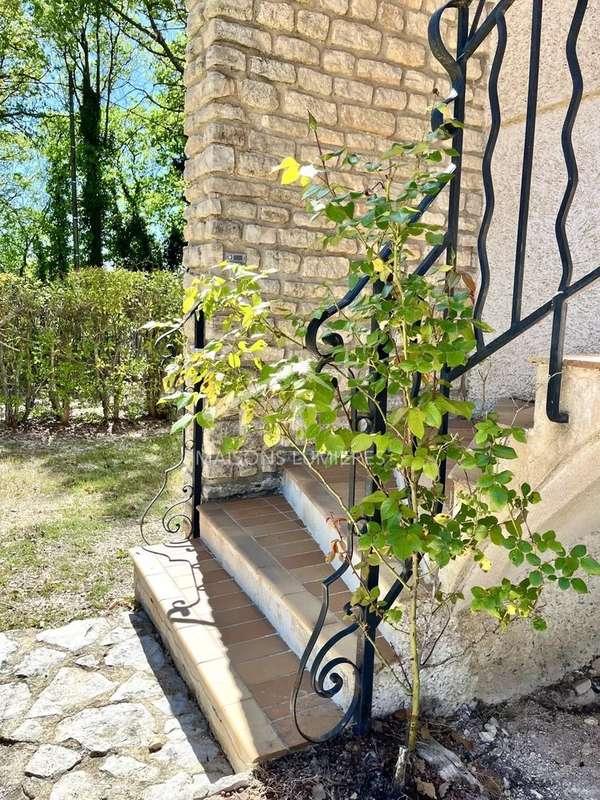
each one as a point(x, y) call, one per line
point(73, 164)
point(92, 195)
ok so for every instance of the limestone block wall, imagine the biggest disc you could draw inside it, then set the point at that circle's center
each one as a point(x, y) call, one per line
point(509, 373)
point(255, 69)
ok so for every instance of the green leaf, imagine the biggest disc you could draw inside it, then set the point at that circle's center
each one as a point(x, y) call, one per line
point(334, 443)
point(272, 437)
point(496, 536)
point(564, 584)
point(590, 565)
point(433, 416)
point(517, 557)
point(539, 624)
point(503, 451)
point(335, 212)
point(405, 545)
point(231, 444)
point(579, 551)
point(430, 470)
point(361, 442)
point(389, 508)
point(434, 238)
point(536, 578)
point(416, 422)
point(498, 496)
point(312, 122)
point(579, 585)
point(182, 423)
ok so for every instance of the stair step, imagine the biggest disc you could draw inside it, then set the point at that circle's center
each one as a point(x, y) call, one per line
point(277, 562)
point(316, 505)
point(231, 657)
point(515, 412)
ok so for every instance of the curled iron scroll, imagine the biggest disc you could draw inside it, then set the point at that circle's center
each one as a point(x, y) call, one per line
point(175, 520)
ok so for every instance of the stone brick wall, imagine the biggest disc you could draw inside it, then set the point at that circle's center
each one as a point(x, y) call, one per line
point(255, 68)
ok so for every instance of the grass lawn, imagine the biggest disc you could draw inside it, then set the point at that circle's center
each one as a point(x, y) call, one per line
point(69, 507)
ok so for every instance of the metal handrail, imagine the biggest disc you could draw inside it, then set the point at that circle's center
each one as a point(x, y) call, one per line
point(469, 38)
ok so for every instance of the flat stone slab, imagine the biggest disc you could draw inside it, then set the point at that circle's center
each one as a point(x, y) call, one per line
point(39, 662)
point(126, 767)
point(7, 647)
point(143, 653)
point(80, 785)
point(71, 689)
point(139, 685)
point(76, 635)
point(51, 760)
point(109, 728)
point(83, 729)
point(14, 699)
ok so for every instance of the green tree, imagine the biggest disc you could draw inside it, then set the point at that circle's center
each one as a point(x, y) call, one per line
point(58, 217)
point(121, 64)
point(92, 146)
point(22, 68)
point(135, 248)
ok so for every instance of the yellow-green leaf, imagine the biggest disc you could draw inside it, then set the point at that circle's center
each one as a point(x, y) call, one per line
point(416, 422)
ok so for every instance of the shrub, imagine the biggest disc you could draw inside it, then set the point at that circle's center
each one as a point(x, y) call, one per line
point(82, 341)
point(21, 304)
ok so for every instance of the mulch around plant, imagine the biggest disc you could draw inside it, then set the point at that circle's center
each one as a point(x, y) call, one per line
point(350, 768)
point(542, 747)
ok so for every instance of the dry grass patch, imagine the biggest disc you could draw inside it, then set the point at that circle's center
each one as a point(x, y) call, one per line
point(69, 508)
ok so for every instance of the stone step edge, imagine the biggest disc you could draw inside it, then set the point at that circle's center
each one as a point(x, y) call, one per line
point(314, 504)
point(284, 601)
point(223, 698)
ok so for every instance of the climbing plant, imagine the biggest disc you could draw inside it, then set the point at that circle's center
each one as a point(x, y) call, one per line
point(385, 356)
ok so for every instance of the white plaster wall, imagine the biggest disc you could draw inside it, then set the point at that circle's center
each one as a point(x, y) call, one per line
point(508, 372)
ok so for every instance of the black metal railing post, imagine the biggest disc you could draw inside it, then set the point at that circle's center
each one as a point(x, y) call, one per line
point(560, 300)
point(528, 152)
point(198, 437)
point(365, 654)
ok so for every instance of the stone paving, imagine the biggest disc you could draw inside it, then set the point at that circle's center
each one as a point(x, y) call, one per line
point(95, 709)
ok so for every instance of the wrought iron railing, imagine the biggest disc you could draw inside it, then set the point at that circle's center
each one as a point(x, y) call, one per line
point(473, 27)
point(474, 23)
point(182, 518)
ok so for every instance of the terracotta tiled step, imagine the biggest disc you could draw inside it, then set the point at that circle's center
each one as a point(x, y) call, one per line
point(280, 566)
point(316, 504)
point(276, 561)
point(240, 670)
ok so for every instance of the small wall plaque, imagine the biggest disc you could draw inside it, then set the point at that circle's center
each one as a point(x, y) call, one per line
point(236, 258)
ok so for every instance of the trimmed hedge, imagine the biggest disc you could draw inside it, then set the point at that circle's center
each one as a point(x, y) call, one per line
point(81, 342)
